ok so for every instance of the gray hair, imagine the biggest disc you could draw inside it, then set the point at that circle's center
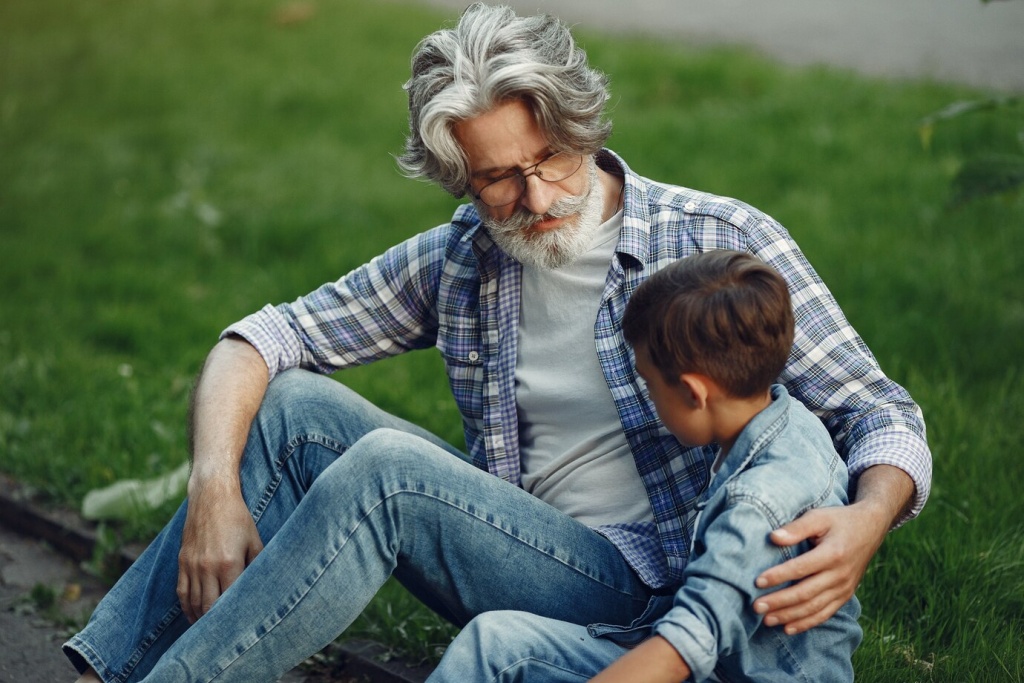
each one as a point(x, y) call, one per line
point(492, 56)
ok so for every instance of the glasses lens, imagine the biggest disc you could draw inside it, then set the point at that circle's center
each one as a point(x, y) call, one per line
point(553, 169)
point(559, 167)
point(502, 192)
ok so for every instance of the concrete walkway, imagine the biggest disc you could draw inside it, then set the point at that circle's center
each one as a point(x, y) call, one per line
point(956, 41)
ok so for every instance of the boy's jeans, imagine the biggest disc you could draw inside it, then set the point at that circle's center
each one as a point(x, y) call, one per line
point(516, 647)
point(396, 501)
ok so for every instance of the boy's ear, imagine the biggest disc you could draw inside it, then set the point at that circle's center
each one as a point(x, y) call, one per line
point(695, 390)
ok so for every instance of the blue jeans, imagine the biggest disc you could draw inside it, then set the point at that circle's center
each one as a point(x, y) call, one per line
point(517, 647)
point(344, 495)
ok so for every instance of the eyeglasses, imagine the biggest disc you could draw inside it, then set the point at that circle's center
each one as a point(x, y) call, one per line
point(553, 168)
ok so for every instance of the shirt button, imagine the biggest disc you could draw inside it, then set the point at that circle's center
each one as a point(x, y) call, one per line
point(474, 356)
point(690, 206)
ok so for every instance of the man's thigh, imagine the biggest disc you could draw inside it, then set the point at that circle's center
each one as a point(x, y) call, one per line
point(462, 540)
point(305, 423)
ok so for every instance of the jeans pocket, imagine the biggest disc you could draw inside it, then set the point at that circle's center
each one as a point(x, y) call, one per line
point(639, 629)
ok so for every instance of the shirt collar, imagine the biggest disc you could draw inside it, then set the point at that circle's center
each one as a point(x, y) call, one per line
point(635, 238)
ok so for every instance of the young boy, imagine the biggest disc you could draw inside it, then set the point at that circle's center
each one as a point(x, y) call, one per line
point(711, 333)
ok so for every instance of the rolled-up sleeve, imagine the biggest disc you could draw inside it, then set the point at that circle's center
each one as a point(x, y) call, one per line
point(713, 614)
point(270, 332)
point(381, 309)
point(872, 419)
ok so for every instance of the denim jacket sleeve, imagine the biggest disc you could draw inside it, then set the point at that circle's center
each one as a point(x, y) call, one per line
point(713, 614)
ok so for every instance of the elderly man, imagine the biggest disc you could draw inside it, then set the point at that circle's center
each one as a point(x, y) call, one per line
point(573, 502)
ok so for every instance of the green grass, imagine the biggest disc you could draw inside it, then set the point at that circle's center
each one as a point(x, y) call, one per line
point(168, 167)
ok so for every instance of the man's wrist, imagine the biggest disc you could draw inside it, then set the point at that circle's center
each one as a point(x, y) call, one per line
point(885, 493)
point(217, 476)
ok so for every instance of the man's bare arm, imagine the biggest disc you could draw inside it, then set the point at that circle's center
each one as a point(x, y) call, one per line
point(845, 540)
point(219, 539)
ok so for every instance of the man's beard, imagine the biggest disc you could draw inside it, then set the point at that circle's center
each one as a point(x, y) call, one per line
point(551, 248)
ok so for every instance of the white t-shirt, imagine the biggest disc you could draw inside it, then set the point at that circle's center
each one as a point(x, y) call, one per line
point(574, 454)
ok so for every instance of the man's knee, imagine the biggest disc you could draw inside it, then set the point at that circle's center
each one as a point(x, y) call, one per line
point(297, 391)
point(386, 451)
point(485, 628)
point(483, 650)
point(508, 647)
point(299, 403)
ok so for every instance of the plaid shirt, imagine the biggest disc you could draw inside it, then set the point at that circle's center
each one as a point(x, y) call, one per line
point(452, 288)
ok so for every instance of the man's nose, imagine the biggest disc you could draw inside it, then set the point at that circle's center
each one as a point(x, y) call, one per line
point(538, 195)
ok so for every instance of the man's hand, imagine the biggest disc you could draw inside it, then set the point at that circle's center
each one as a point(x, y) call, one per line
point(844, 539)
point(219, 541)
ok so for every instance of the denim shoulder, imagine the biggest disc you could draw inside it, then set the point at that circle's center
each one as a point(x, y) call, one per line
point(794, 472)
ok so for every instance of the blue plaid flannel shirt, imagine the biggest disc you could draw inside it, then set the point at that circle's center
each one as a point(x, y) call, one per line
point(452, 288)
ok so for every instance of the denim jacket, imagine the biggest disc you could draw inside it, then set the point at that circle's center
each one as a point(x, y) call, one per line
point(782, 465)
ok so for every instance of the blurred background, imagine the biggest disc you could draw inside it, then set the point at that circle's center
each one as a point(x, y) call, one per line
point(168, 167)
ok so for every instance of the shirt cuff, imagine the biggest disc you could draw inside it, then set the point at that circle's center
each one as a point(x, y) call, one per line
point(270, 333)
point(691, 639)
point(902, 448)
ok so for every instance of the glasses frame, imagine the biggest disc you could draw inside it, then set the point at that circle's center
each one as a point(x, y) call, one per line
point(523, 175)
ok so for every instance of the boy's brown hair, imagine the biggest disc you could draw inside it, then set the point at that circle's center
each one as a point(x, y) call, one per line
point(723, 314)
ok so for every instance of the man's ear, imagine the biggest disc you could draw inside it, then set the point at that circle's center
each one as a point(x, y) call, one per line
point(695, 390)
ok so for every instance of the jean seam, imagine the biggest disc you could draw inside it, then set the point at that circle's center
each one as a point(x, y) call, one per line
point(279, 466)
point(565, 669)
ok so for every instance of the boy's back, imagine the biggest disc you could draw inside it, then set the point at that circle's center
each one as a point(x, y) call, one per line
point(781, 465)
point(711, 333)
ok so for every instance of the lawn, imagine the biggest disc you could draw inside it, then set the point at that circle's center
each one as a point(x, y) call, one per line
point(168, 167)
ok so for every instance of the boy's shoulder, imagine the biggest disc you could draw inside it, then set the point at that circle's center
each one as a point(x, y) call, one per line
point(786, 461)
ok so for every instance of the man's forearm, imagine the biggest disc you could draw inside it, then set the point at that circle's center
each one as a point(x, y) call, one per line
point(227, 395)
point(886, 489)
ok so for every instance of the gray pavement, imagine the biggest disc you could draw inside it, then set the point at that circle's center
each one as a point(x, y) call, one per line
point(32, 631)
point(29, 638)
point(956, 41)
point(46, 594)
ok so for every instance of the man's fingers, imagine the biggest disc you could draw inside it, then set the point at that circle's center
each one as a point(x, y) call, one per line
point(195, 599)
point(808, 526)
point(806, 622)
point(809, 564)
point(806, 591)
point(793, 607)
point(792, 570)
point(811, 526)
point(806, 604)
point(810, 622)
point(184, 596)
point(211, 591)
point(199, 587)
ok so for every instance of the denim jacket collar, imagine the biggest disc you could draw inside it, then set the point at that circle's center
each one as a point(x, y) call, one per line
point(759, 433)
